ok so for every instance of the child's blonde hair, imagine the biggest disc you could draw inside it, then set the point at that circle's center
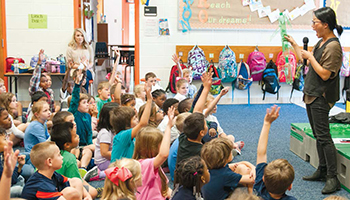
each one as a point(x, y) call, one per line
point(147, 146)
point(180, 82)
point(138, 89)
point(221, 148)
point(278, 176)
point(186, 71)
point(240, 194)
point(103, 84)
point(125, 189)
point(37, 107)
point(179, 123)
point(40, 152)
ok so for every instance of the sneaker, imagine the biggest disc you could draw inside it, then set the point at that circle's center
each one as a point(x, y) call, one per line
point(92, 175)
point(82, 172)
point(240, 144)
point(99, 192)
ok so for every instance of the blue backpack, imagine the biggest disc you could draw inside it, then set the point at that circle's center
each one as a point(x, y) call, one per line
point(197, 62)
point(227, 65)
point(270, 81)
point(244, 80)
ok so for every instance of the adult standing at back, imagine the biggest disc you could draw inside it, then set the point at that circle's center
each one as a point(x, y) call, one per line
point(80, 54)
point(321, 91)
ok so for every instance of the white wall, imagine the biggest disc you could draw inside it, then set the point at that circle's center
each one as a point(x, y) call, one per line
point(25, 43)
point(113, 12)
point(156, 51)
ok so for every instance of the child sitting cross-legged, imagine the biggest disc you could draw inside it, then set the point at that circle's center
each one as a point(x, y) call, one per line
point(104, 144)
point(48, 184)
point(211, 108)
point(152, 150)
point(79, 107)
point(123, 178)
point(17, 182)
point(126, 126)
point(275, 178)
point(66, 138)
point(190, 176)
point(223, 179)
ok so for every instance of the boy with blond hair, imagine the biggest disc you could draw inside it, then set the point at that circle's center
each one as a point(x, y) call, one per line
point(103, 95)
point(48, 184)
point(224, 177)
point(275, 178)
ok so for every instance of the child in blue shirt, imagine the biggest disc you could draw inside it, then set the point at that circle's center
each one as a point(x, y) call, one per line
point(224, 178)
point(275, 178)
point(125, 123)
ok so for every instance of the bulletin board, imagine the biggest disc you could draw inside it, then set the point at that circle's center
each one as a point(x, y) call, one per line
point(341, 8)
point(231, 14)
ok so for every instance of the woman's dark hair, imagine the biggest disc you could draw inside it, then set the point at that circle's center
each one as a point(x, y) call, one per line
point(157, 93)
point(327, 15)
point(103, 121)
point(188, 173)
point(2, 110)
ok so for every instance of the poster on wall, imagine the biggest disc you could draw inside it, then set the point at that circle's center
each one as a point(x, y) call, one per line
point(163, 27)
point(37, 21)
point(242, 14)
point(341, 9)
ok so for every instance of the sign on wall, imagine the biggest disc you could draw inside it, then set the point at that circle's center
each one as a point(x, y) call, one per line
point(236, 14)
point(341, 8)
point(37, 21)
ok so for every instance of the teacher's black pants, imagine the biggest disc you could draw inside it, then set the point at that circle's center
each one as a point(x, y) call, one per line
point(318, 112)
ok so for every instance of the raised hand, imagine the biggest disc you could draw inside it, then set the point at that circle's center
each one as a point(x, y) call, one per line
point(290, 39)
point(224, 91)
point(79, 76)
point(272, 114)
point(10, 159)
point(176, 59)
point(148, 92)
point(207, 78)
point(171, 115)
point(41, 56)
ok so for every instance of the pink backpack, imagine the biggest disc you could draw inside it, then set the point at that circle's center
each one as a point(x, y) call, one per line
point(281, 61)
point(257, 64)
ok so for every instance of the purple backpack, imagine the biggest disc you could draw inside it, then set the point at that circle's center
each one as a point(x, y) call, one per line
point(257, 64)
point(197, 62)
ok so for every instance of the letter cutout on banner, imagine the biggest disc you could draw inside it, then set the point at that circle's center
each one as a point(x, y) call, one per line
point(186, 23)
point(201, 13)
point(334, 5)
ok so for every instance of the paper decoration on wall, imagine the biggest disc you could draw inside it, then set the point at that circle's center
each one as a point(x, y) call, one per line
point(294, 13)
point(234, 14)
point(151, 27)
point(37, 21)
point(273, 16)
point(163, 27)
point(145, 2)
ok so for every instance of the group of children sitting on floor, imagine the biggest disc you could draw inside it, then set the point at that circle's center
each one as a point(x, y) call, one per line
point(128, 141)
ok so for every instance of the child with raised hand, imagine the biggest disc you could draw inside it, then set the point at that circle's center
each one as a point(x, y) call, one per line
point(123, 178)
point(65, 136)
point(211, 108)
point(152, 150)
point(223, 179)
point(79, 107)
point(190, 176)
point(126, 126)
point(104, 144)
point(156, 116)
point(17, 182)
point(39, 82)
point(275, 178)
point(45, 183)
point(186, 74)
point(159, 97)
point(164, 123)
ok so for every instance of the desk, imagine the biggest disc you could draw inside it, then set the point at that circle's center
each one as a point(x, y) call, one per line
point(16, 76)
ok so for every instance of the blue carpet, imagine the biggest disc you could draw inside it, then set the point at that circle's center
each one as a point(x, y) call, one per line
point(245, 123)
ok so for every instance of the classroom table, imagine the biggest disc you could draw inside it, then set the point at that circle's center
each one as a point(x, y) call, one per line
point(11, 75)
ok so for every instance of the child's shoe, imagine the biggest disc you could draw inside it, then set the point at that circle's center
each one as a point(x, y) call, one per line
point(240, 144)
point(92, 175)
point(82, 171)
